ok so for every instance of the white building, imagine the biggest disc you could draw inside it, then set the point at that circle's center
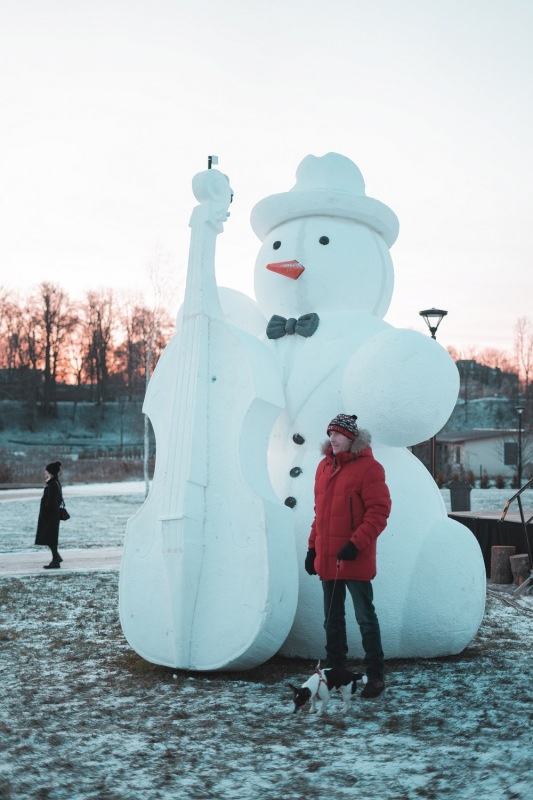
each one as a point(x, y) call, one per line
point(482, 450)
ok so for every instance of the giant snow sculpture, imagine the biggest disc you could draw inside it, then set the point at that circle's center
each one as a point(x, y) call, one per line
point(323, 283)
point(208, 576)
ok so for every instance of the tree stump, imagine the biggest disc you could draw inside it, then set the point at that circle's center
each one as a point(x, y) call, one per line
point(500, 565)
point(519, 568)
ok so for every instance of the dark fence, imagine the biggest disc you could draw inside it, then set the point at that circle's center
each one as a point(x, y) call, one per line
point(100, 464)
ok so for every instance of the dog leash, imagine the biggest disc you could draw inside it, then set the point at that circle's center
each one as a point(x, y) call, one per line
point(330, 604)
point(333, 591)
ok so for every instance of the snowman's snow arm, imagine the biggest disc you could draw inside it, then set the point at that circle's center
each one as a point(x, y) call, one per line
point(402, 385)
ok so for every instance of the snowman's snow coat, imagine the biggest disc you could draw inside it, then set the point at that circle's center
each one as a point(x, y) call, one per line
point(325, 250)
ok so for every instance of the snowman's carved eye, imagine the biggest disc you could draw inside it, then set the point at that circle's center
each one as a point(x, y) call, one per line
point(276, 245)
point(324, 240)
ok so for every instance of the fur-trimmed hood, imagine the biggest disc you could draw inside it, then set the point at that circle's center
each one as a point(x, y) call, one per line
point(360, 443)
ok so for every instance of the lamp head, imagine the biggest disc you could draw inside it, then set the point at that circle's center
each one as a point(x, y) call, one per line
point(433, 318)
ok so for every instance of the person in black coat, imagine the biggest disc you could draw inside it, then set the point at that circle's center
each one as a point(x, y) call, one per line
point(48, 522)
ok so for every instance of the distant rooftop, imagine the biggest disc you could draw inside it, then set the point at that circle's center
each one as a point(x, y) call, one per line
point(470, 434)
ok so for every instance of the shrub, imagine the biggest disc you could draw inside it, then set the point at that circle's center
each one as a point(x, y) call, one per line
point(500, 482)
point(484, 482)
point(6, 474)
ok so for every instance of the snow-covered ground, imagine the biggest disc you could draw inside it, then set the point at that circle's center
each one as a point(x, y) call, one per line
point(82, 716)
point(98, 516)
point(99, 513)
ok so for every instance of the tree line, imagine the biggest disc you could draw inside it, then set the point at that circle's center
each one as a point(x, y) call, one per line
point(518, 362)
point(106, 344)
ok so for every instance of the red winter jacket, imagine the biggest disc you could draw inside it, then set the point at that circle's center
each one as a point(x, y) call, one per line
point(352, 502)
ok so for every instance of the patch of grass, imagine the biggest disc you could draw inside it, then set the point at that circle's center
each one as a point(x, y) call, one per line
point(334, 722)
point(5, 791)
point(426, 791)
point(313, 766)
point(393, 724)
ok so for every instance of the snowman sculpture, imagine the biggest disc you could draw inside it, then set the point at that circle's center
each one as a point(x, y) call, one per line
point(323, 283)
point(212, 574)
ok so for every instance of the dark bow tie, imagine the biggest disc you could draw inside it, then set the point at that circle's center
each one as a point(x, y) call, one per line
point(305, 325)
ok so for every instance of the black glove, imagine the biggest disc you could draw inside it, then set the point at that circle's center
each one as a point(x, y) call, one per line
point(348, 552)
point(310, 561)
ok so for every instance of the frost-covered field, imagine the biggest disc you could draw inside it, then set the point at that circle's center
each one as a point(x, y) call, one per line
point(97, 520)
point(99, 514)
point(82, 716)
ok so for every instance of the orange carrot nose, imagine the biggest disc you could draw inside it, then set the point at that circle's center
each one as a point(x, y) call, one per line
point(291, 269)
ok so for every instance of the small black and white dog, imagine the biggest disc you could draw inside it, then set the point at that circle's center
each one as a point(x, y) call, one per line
point(320, 686)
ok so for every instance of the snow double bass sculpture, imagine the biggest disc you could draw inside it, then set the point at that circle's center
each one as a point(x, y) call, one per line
point(209, 578)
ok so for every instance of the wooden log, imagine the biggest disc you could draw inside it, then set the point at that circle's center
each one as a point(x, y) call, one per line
point(500, 566)
point(519, 568)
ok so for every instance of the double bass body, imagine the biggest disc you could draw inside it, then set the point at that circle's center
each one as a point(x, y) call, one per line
point(208, 576)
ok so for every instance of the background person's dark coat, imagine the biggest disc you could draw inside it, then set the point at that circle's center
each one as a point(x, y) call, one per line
point(48, 522)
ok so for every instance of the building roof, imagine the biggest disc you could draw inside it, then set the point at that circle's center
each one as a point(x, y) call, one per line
point(475, 434)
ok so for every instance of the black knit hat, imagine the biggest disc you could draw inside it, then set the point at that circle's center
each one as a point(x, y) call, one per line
point(346, 424)
point(53, 468)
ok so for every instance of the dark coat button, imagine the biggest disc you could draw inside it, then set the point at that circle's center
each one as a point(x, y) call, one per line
point(290, 501)
point(298, 439)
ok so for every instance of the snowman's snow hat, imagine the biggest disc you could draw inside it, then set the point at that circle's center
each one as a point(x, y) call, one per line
point(329, 185)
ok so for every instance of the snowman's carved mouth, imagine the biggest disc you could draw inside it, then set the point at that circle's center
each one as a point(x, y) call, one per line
point(290, 269)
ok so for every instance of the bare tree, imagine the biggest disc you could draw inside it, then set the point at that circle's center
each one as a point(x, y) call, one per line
point(10, 351)
point(524, 350)
point(158, 333)
point(11, 361)
point(98, 323)
point(135, 323)
point(74, 356)
point(53, 321)
point(498, 359)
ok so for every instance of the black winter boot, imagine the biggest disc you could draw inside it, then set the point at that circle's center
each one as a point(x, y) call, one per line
point(373, 688)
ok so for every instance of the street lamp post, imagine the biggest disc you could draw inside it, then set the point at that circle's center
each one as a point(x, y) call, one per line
point(519, 410)
point(433, 318)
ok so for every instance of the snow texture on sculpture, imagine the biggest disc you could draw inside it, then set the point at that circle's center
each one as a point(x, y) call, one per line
point(208, 576)
point(430, 588)
point(193, 568)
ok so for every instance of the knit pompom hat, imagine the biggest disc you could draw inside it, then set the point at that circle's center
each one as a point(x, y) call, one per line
point(53, 468)
point(346, 424)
